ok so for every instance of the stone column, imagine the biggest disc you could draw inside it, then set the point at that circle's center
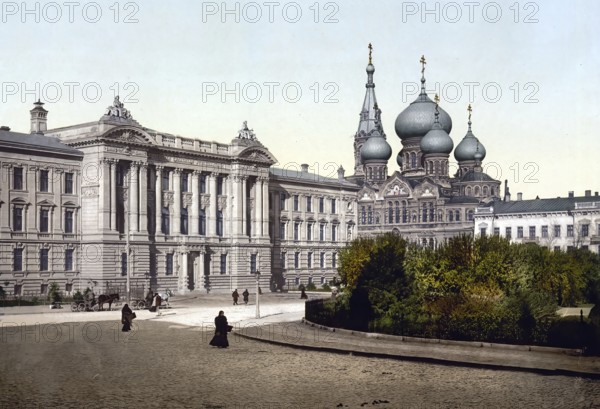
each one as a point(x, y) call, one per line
point(265, 209)
point(212, 207)
point(103, 175)
point(194, 231)
point(143, 191)
point(133, 197)
point(158, 200)
point(257, 222)
point(244, 205)
point(227, 215)
point(200, 273)
point(113, 194)
point(176, 225)
point(183, 279)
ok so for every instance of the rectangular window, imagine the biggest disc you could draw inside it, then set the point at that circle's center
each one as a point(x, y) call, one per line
point(184, 182)
point(202, 181)
point(69, 260)
point(183, 225)
point(123, 264)
point(556, 248)
point(69, 183)
point(334, 260)
point(282, 201)
point(556, 230)
point(282, 231)
point(296, 203)
point(69, 288)
point(223, 265)
point(309, 259)
point(219, 223)
point(44, 260)
point(297, 259)
point(483, 231)
point(321, 205)
point(17, 219)
point(165, 179)
point(585, 230)
point(164, 221)
point(309, 203)
point(296, 230)
point(334, 232)
point(219, 185)
point(322, 260)
point(18, 260)
point(545, 232)
point(44, 289)
point(322, 232)
point(169, 267)
point(508, 232)
point(44, 220)
point(68, 221)
point(18, 289)
point(309, 228)
point(18, 178)
point(43, 180)
point(496, 231)
point(520, 232)
point(253, 263)
point(283, 261)
point(202, 223)
point(569, 230)
point(532, 232)
point(333, 206)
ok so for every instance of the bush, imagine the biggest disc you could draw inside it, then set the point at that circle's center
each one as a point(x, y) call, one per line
point(326, 287)
point(311, 287)
point(54, 294)
point(572, 332)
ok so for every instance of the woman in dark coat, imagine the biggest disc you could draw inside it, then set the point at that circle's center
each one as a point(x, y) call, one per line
point(221, 329)
point(126, 318)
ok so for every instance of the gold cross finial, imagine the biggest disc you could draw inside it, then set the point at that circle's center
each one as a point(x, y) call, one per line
point(436, 99)
point(370, 50)
point(470, 110)
point(423, 62)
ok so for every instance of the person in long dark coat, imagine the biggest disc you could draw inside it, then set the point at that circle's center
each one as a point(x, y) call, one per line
point(126, 317)
point(246, 294)
point(221, 329)
point(235, 296)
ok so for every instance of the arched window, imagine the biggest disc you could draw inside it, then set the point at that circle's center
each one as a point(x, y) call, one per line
point(413, 160)
point(476, 190)
point(485, 190)
point(390, 213)
point(363, 215)
point(457, 216)
point(397, 212)
point(468, 190)
point(431, 213)
point(424, 217)
point(404, 213)
point(369, 215)
point(470, 215)
point(450, 216)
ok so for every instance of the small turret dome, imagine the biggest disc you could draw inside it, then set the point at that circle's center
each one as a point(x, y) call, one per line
point(437, 141)
point(375, 149)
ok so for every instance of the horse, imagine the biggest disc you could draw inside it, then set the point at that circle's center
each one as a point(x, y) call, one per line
point(104, 298)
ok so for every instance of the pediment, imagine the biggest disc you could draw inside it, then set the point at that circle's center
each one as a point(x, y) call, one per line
point(45, 202)
point(366, 194)
point(257, 154)
point(130, 134)
point(427, 190)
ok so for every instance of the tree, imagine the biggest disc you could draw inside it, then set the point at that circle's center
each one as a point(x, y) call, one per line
point(54, 294)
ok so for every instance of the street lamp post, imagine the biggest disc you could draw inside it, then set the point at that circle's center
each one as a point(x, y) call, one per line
point(127, 263)
point(257, 294)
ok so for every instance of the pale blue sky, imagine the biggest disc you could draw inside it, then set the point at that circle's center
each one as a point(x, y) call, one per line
point(174, 54)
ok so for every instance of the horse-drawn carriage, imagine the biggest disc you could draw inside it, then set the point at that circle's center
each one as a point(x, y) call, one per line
point(91, 303)
point(139, 302)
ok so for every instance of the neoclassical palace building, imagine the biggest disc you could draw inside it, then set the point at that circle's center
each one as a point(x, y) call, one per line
point(111, 203)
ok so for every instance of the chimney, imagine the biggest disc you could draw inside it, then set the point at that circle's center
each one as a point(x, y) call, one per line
point(38, 118)
point(341, 173)
point(506, 191)
point(571, 194)
point(4, 128)
point(519, 196)
point(588, 193)
point(595, 193)
point(304, 167)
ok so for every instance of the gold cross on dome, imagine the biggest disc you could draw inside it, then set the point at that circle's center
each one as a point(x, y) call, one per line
point(470, 110)
point(423, 62)
point(436, 99)
point(370, 50)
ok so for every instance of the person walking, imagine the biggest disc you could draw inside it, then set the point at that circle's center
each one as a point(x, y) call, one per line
point(245, 294)
point(235, 296)
point(156, 304)
point(127, 317)
point(221, 329)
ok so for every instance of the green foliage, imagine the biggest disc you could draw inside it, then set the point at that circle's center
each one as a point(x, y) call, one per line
point(326, 287)
point(54, 294)
point(311, 286)
point(78, 297)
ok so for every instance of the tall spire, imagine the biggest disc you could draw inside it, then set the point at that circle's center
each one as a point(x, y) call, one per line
point(423, 62)
point(470, 110)
point(370, 50)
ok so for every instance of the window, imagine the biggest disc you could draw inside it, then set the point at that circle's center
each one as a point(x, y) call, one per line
point(223, 264)
point(44, 260)
point(43, 180)
point(333, 206)
point(69, 183)
point(44, 220)
point(470, 215)
point(123, 264)
point(334, 260)
point(520, 232)
point(483, 231)
point(321, 205)
point(164, 221)
point(309, 228)
point(184, 221)
point(165, 179)
point(390, 213)
point(545, 232)
point(296, 229)
point(556, 248)
point(334, 232)
point(219, 185)
point(44, 289)
point(68, 221)
point(169, 267)
point(220, 223)
point(253, 263)
point(283, 261)
point(322, 232)
point(309, 203)
point(18, 260)
point(296, 204)
point(310, 280)
point(184, 182)
point(69, 260)
point(569, 230)
point(297, 280)
point(532, 232)
point(202, 181)
point(17, 219)
point(585, 230)
point(202, 223)
point(556, 230)
point(18, 178)
point(297, 259)
point(363, 215)
point(309, 259)
point(69, 288)
point(322, 280)
point(369, 215)
point(508, 232)
point(322, 260)
point(282, 230)
point(282, 201)
point(496, 231)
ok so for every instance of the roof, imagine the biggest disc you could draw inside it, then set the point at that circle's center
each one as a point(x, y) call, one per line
point(38, 142)
point(541, 205)
point(472, 176)
point(297, 175)
point(463, 199)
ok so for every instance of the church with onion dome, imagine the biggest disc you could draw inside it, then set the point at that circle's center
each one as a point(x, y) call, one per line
point(419, 199)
